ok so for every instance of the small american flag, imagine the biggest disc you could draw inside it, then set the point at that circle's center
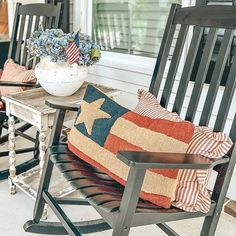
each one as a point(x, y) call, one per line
point(72, 51)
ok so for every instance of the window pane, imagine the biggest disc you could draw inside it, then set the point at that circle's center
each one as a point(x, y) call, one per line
point(131, 26)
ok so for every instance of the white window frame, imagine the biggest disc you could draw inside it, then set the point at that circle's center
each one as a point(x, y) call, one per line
point(83, 20)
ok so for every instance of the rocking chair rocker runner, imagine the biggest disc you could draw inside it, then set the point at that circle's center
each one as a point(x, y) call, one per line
point(124, 210)
point(27, 19)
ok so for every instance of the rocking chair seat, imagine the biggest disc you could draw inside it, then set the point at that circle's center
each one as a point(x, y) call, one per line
point(100, 190)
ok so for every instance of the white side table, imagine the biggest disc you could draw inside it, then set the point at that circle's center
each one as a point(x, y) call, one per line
point(30, 106)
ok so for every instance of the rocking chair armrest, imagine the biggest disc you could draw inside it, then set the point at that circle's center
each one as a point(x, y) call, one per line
point(62, 106)
point(145, 160)
point(17, 84)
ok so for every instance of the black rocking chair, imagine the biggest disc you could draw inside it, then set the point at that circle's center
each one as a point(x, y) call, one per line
point(27, 19)
point(119, 206)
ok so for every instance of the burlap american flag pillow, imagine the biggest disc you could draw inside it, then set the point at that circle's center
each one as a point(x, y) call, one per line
point(103, 127)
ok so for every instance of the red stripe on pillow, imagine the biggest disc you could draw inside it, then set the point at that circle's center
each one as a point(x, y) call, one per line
point(181, 131)
point(115, 144)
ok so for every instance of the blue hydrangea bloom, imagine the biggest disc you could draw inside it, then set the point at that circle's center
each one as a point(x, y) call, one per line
point(52, 43)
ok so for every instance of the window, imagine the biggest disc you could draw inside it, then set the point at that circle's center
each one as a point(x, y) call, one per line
point(130, 26)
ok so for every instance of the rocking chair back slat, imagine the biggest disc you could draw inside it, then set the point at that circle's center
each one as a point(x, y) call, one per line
point(29, 17)
point(174, 66)
point(163, 53)
point(232, 133)
point(227, 100)
point(36, 24)
point(187, 70)
point(20, 39)
point(32, 62)
point(44, 21)
point(50, 22)
point(201, 75)
point(216, 76)
point(29, 28)
point(29, 63)
point(14, 32)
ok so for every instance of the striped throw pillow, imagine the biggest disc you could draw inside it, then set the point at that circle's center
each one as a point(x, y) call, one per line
point(15, 73)
point(103, 127)
point(191, 194)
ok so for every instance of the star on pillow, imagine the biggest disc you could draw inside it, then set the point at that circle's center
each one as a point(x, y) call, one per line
point(91, 112)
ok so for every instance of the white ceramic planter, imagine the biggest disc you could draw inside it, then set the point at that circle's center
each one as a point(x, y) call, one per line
point(60, 79)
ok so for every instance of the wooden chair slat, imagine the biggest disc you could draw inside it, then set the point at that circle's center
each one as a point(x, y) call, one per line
point(86, 182)
point(36, 23)
point(89, 174)
point(14, 32)
point(20, 39)
point(70, 166)
point(201, 74)
point(29, 30)
point(44, 21)
point(32, 63)
point(163, 53)
point(101, 199)
point(93, 191)
point(216, 77)
point(111, 206)
point(232, 133)
point(64, 162)
point(226, 99)
point(59, 149)
point(174, 65)
point(50, 22)
point(187, 70)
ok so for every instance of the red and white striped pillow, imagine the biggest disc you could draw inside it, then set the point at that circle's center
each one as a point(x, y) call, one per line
point(191, 194)
point(15, 73)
